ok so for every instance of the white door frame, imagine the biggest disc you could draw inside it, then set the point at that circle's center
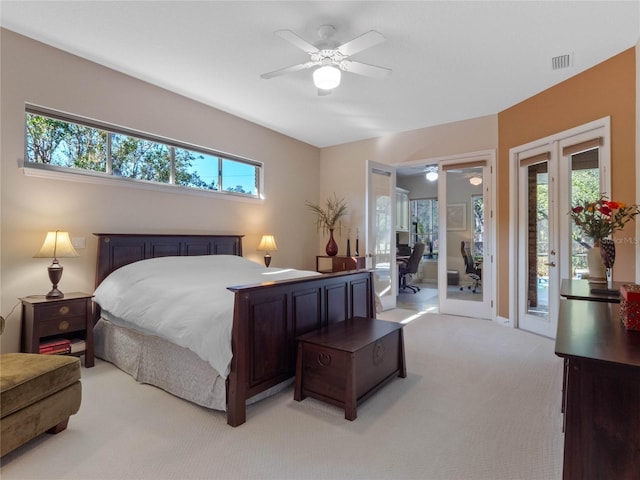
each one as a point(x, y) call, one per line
point(554, 143)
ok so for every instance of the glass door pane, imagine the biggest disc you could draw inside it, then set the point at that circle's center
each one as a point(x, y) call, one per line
point(465, 227)
point(584, 187)
point(537, 246)
point(381, 247)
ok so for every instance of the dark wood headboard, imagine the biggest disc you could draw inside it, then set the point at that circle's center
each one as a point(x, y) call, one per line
point(118, 249)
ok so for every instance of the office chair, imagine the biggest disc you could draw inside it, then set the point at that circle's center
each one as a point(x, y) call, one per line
point(407, 267)
point(472, 268)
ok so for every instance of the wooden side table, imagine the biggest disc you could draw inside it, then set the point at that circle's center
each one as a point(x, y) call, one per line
point(68, 317)
point(347, 362)
point(339, 263)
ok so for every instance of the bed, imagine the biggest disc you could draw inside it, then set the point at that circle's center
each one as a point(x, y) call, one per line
point(266, 319)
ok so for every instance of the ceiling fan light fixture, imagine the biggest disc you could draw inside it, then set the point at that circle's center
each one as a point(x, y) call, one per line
point(327, 77)
point(432, 173)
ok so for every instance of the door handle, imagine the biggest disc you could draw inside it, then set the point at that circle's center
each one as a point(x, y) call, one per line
point(551, 264)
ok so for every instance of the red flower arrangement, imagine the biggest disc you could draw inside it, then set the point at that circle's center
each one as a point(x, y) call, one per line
point(599, 219)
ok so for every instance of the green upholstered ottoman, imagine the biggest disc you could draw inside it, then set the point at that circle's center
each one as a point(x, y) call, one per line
point(38, 393)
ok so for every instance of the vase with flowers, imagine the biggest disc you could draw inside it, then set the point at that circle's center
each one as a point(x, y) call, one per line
point(327, 218)
point(598, 220)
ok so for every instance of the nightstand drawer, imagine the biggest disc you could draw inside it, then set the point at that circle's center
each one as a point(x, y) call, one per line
point(63, 310)
point(61, 325)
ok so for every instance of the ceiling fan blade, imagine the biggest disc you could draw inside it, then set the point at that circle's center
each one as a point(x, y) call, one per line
point(297, 41)
point(364, 41)
point(291, 69)
point(365, 69)
point(323, 93)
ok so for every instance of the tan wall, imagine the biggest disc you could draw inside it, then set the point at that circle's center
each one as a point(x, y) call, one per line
point(38, 74)
point(637, 149)
point(608, 89)
point(343, 167)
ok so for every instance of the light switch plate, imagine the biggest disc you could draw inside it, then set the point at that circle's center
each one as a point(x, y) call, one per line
point(78, 242)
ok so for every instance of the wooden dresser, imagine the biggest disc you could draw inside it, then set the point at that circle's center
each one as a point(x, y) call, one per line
point(601, 392)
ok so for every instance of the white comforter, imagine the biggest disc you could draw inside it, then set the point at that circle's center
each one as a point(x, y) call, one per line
point(184, 299)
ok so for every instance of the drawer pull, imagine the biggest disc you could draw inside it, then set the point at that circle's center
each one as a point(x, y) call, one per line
point(63, 310)
point(324, 359)
point(378, 353)
point(64, 325)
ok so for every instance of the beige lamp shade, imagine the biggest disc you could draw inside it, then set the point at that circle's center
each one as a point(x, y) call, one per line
point(267, 244)
point(57, 245)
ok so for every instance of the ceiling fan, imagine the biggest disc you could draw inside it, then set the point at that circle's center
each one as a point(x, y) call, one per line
point(331, 58)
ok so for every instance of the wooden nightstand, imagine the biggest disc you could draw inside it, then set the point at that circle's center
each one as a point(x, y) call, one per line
point(69, 317)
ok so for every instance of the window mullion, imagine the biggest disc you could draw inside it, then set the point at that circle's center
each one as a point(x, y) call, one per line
point(109, 159)
point(172, 168)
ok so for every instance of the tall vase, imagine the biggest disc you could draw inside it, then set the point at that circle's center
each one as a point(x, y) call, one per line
point(597, 271)
point(608, 252)
point(332, 246)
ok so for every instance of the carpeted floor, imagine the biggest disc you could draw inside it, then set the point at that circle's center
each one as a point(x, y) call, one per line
point(480, 401)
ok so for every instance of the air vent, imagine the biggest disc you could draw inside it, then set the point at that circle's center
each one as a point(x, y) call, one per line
point(561, 61)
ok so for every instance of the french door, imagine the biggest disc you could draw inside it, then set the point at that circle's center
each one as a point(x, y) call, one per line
point(465, 188)
point(381, 240)
point(538, 242)
point(551, 175)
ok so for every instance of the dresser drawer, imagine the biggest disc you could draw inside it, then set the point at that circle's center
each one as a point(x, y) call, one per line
point(63, 310)
point(57, 326)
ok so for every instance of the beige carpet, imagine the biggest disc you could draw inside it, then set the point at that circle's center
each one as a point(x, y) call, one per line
point(480, 401)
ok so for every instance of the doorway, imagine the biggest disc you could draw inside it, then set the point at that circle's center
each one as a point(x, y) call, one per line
point(446, 209)
point(548, 177)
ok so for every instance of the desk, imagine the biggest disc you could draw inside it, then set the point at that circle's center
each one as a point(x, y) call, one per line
point(602, 391)
point(581, 290)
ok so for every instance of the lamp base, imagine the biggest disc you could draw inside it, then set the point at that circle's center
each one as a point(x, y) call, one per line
point(55, 274)
point(267, 260)
point(54, 293)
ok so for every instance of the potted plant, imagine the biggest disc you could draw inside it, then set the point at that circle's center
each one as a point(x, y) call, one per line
point(328, 217)
point(598, 220)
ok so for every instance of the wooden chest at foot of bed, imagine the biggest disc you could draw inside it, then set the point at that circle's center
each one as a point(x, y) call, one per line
point(346, 362)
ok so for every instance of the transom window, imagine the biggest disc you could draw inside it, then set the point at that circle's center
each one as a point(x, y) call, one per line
point(60, 143)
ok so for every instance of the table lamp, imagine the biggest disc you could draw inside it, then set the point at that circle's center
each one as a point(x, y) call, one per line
point(267, 244)
point(56, 245)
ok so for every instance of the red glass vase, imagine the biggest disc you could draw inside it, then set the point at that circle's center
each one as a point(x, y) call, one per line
point(332, 246)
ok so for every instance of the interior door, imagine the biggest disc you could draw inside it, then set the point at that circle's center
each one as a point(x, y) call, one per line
point(381, 240)
point(465, 285)
point(539, 277)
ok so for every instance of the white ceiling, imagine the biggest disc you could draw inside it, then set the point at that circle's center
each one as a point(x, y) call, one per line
point(451, 60)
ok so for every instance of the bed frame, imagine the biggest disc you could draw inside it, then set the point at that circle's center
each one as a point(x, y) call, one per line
point(267, 317)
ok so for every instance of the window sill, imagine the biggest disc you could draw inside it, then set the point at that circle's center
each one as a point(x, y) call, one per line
point(98, 178)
